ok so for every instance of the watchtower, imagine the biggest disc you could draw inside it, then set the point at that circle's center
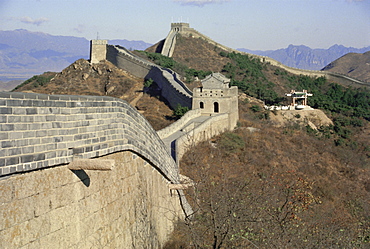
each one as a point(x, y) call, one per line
point(98, 50)
point(216, 97)
point(179, 26)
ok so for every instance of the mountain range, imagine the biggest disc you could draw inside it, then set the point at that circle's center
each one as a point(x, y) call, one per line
point(24, 53)
point(304, 57)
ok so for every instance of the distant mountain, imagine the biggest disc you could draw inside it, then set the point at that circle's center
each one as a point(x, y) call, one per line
point(304, 57)
point(24, 53)
point(352, 64)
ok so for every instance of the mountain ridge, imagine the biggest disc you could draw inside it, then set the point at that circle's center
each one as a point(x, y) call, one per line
point(304, 57)
point(24, 53)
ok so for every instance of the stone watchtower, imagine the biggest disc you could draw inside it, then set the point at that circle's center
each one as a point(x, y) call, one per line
point(216, 97)
point(98, 50)
point(179, 26)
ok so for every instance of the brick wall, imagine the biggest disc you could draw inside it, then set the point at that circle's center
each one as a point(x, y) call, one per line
point(39, 131)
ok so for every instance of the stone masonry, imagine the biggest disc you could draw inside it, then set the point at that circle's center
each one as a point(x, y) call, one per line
point(39, 131)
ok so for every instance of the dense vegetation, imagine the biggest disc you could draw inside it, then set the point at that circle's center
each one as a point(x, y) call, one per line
point(247, 74)
point(38, 80)
point(348, 107)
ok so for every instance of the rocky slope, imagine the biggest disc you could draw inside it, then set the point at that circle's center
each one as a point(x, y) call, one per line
point(103, 79)
point(355, 65)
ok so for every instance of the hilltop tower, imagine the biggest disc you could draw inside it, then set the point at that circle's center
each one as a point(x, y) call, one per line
point(217, 97)
point(179, 26)
point(98, 50)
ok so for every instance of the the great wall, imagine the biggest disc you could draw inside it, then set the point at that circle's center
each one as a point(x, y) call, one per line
point(90, 172)
point(185, 30)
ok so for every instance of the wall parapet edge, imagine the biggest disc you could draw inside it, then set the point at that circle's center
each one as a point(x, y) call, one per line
point(167, 131)
point(173, 89)
point(39, 131)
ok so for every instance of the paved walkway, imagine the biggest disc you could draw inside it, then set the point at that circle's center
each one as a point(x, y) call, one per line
point(171, 139)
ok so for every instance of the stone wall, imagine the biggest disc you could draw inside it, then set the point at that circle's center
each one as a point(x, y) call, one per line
point(39, 130)
point(167, 131)
point(46, 205)
point(127, 207)
point(342, 79)
point(172, 88)
point(215, 125)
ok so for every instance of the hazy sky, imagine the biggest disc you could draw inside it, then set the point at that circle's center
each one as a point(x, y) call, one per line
point(251, 24)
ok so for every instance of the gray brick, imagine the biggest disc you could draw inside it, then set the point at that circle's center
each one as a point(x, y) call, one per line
point(2, 162)
point(54, 97)
point(41, 133)
point(50, 118)
point(3, 119)
point(11, 161)
point(4, 135)
point(31, 111)
point(6, 127)
point(14, 151)
point(15, 135)
point(20, 127)
point(14, 102)
point(28, 150)
point(7, 143)
point(6, 110)
point(13, 169)
point(26, 158)
point(51, 147)
point(57, 125)
point(39, 157)
point(6, 170)
point(14, 119)
point(29, 134)
point(20, 168)
point(78, 151)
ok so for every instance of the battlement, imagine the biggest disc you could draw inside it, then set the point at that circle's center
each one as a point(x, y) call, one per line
point(179, 27)
point(39, 131)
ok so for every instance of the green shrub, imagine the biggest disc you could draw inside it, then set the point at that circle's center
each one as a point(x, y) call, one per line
point(231, 142)
point(255, 108)
point(180, 111)
point(38, 80)
point(148, 82)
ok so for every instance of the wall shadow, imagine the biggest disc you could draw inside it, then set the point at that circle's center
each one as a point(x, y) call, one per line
point(81, 174)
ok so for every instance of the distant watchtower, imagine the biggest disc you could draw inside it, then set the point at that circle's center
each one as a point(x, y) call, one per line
point(216, 97)
point(98, 50)
point(180, 26)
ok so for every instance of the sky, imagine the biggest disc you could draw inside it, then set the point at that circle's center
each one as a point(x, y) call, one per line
point(250, 24)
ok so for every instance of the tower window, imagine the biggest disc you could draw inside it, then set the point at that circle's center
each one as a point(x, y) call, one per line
point(201, 105)
point(216, 107)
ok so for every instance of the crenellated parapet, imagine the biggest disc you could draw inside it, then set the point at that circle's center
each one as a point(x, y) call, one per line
point(38, 131)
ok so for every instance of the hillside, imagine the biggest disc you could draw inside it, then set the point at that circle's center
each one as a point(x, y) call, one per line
point(276, 182)
point(103, 79)
point(355, 65)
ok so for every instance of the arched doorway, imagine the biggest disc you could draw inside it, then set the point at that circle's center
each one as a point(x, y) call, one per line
point(201, 105)
point(215, 107)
